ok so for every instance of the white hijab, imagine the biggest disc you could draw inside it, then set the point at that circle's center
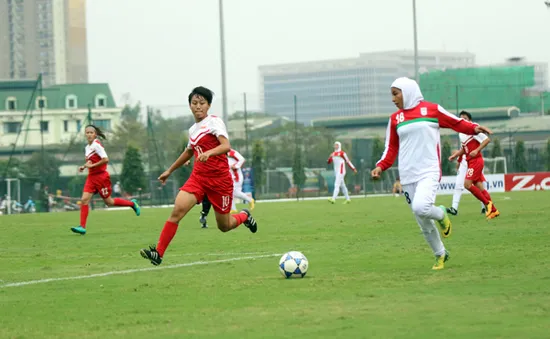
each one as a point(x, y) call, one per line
point(412, 95)
point(337, 143)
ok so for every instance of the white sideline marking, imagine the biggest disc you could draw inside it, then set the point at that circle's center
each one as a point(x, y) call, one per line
point(96, 275)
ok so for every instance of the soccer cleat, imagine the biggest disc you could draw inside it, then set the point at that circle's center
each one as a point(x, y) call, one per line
point(79, 229)
point(445, 223)
point(136, 207)
point(347, 202)
point(202, 220)
point(332, 201)
point(489, 209)
point(483, 211)
point(495, 213)
point(250, 222)
point(452, 210)
point(233, 211)
point(251, 204)
point(440, 261)
point(151, 254)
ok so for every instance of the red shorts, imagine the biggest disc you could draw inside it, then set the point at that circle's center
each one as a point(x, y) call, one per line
point(99, 183)
point(219, 191)
point(475, 170)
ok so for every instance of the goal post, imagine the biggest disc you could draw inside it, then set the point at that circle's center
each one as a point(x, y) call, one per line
point(495, 165)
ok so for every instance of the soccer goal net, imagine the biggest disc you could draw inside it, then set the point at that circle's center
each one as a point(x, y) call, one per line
point(495, 165)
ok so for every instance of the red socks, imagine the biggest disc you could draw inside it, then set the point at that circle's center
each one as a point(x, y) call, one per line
point(168, 232)
point(479, 195)
point(123, 202)
point(240, 218)
point(84, 215)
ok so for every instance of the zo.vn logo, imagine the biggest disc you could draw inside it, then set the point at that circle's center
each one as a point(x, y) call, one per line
point(527, 181)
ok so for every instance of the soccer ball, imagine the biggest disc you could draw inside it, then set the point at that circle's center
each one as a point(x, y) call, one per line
point(293, 265)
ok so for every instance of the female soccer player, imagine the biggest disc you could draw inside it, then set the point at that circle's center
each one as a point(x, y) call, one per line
point(413, 133)
point(98, 180)
point(209, 143)
point(340, 159)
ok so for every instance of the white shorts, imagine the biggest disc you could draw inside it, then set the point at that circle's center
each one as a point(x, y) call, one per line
point(421, 194)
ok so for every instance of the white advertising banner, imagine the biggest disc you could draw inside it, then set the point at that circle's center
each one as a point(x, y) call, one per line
point(494, 183)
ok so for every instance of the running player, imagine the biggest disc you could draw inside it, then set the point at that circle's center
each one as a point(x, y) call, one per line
point(236, 161)
point(413, 133)
point(340, 159)
point(98, 180)
point(461, 168)
point(209, 143)
point(472, 145)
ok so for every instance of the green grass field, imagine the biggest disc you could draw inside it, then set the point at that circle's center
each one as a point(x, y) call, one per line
point(370, 274)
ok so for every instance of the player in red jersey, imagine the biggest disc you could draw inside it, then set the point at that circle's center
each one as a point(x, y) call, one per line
point(98, 180)
point(472, 145)
point(209, 143)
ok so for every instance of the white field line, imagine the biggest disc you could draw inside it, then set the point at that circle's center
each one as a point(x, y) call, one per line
point(154, 268)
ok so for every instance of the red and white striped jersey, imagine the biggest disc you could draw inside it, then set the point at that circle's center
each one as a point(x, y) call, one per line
point(339, 159)
point(471, 142)
point(414, 135)
point(236, 160)
point(94, 152)
point(203, 136)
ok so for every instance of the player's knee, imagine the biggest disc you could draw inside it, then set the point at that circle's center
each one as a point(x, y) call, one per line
point(109, 201)
point(224, 226)
point(420, 208)
point(467, 185)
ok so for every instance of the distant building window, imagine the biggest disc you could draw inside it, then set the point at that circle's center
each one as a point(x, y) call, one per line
point(65, 125)
point(11, 104)
point(104, 124)
point(71, 102)
point(12, 127)
point(41, 102)
point(44, 126)
point(100, 100)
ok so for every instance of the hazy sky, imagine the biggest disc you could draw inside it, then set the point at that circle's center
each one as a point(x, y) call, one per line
point(159, 50)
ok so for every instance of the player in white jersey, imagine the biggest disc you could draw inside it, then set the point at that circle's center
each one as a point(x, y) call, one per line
point(236, 161)
point(461, 169)
point(413, 134)
point(340, 159)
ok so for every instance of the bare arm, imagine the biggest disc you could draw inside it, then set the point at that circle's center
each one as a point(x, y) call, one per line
point(183, 158)
point(222, 148)
point(483, 145)
point(456, 154)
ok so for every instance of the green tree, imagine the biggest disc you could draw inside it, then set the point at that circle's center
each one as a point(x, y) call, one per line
point(44, 169)
point(520, 160)
point(298, 172)
point(14, 170)
point(446, 166)
point(258, 165)
point(496, 152)
point(548, 155)
point(377, 150)
point(133, 174)
point(76, 184)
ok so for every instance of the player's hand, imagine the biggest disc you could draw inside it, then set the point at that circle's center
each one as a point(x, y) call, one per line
point(375, 174)
point(187, 163)
point(203, 157)
point(454, 156)
point(483, 129)
point(355, 170)
point(164, 176)
point(474, 153)
point(88, 164)
point(81, 169)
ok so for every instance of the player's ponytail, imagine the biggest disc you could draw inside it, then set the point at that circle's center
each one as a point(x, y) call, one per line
point(98, 131)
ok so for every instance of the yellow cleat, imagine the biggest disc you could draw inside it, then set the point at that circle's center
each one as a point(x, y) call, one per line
point(493, 214)
point(440, 261)
point(332, 201)
point(347, 202)
point(489, 209)
point(445, 224)
point(251, 204)
point(233, 211)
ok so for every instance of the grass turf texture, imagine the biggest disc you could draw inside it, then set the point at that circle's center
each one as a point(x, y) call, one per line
point(370, 274)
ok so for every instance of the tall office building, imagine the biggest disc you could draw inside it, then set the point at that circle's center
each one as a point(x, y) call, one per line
point(346, 87)
point(43, 36)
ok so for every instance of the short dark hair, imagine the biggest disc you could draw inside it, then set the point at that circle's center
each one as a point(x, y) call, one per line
point(201, 92)
point(466, 114)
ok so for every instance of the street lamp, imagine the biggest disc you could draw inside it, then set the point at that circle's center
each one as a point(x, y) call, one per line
point(416, 75)
point(222, 59)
